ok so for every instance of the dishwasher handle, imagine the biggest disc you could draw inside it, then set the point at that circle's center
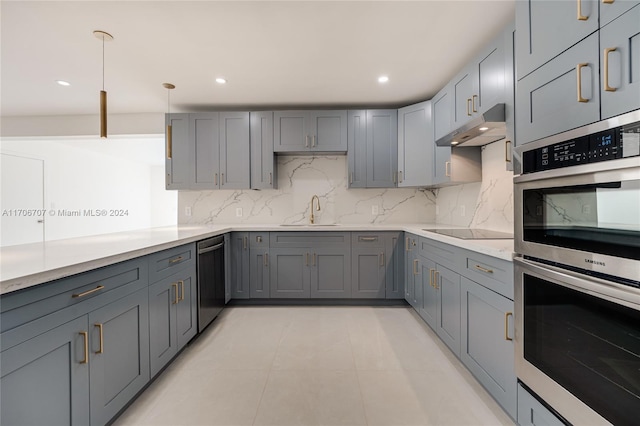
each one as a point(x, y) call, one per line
point(212, 248)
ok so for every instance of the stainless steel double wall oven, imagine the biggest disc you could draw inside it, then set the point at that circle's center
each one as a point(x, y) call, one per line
point(577, 271)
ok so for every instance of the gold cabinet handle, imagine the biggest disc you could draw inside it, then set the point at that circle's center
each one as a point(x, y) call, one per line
point(607, 1)
point(606, 69)
point(244, 243)
point(85, 336)
point(473, 103)
point(169, 142)
point(415, 266)
point(581, 17)
point(394, 177)
point(368, 238)
point(469, 107)
point(181, 283)
point(507, 157)
point(314, 260)
point(406, 244)
point(313, 141)
point(221, 179)
point(306, 141)
point(436, 274)
point(381, 256)
point(579, 80)
point(351, 177)
point(306, 259)
point(175, 286)
point(431, 271)
point(447, 166)
point(266, 259)
point(259, 239)
point(88, 292)
point(101, 348)
point(506, 326)
point(270, 178)
point(175, 260)
point(480, 268)
point(400, 176)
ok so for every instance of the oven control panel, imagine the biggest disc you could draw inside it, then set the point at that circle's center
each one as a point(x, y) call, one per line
point(619, 142)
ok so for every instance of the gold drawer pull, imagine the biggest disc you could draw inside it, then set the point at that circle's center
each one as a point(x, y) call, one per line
point(431, 271)
point(177, 259)
point(581, 17)
point(435, 279)
point(86, 293)
point(85, 336)
point(606, 69)
point(368, 238)
point(579, 80)
point(176, 300)
point(169, 142)
point(607, 1)
point(506, 325)
point(381, 259)
point(181, 283)
point(415, 266)
point(473, 103)
point(101, 350)
point(469, 107)
point(406, 244)
point(480, 268)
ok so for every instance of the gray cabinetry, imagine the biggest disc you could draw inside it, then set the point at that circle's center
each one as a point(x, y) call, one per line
point(548, 100)
point(429, 305)
point(447, 286)
point(290, 276)
point(369, 278)
point(204, 146)
point(178, 153)
point(259, 286)
point(548, 28)
point(610, 10)
point(394, 260)
point(487, 346)
point(239, 274)
point(415, 145)
point(620, 63)
point(442, 109)
point(532, 413)
point(331, 272)
point(263, 160)
point(234, 155)
point(319, 131)
point(373, 148)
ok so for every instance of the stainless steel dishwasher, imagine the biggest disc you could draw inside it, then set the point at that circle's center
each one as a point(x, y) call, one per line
point(211, 280)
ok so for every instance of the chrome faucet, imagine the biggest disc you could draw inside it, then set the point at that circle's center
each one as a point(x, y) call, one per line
point(312, 219)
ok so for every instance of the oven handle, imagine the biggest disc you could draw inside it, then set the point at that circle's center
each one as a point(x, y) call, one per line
point(608, 290)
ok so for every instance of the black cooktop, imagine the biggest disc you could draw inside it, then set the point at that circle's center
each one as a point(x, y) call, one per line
point(473, 234)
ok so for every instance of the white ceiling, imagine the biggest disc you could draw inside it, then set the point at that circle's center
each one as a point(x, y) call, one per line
point(291, 53)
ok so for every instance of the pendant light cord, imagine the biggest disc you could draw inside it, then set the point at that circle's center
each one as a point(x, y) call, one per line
point(103, 62)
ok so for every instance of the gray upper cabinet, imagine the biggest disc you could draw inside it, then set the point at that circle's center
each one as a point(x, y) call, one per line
point(548, 28)
point(263, 161)
point(373, 148)
point(455, 165)
point(442, 112)
point(178, 153)
point(234, 150)
point(620, 62)
point(204, 142)
point(415, 145)
point(314, 131)
point(463, 89)
point(510, 93)
point(610, 10)
point(548, 100)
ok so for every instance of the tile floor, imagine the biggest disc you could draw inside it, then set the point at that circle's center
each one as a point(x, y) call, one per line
point(315, 366)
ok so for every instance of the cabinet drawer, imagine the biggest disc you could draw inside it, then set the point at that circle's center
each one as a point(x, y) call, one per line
point(495, 274)
point(309, 239)
point(368, 239)
point(167, 262)
point(441, 253)
point(258, 240)
point(531, 412)
point(92, 287)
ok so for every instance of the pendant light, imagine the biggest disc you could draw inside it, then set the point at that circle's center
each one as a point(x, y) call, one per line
point(104, 36)
point(169, 88)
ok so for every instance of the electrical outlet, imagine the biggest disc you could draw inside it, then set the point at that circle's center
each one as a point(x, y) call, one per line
point(586, 209)
point(238, 211)
point(187, 211)
point(463, 210)
point(374, 209)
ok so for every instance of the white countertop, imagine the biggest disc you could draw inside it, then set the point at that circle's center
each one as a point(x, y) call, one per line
point(27, 265)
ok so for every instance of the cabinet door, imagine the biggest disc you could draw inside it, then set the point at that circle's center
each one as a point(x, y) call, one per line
point(463, 86)
point(178, 156)
point(414, 279)
point(204, 139)
point(44, 380)
point(163, 344)
point(487, 348)
point(187, 308)
point(612, 9)
point(410, 253)
point(382, 148)
point(328, 130)
point(429, 305)
point(235, 172)
point(290, 132)
point(547, 100)
point(532, 413)
point(415, 145)
point(240, 265)
point(263, 161)
point(510, 93)
point(442, 109)
point(620, 66)
point(357, 152)
point(489, 77)
point(447, 285)
point(547, 28)
point(259, 275)
point(290, 277)
point(331, 273)
point(395, 266)
point(368, 273)
point(119, 354)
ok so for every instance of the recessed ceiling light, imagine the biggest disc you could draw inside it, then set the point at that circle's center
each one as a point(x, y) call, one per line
point(455, 143)
point(483, 129)
point(63, 83)
point(383, 79)
point(221, 80)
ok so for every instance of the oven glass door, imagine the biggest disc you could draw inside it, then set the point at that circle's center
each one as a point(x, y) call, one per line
point(588, 345)
point(599, 218)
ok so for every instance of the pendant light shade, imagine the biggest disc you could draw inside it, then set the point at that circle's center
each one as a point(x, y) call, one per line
point(104, 36)
point(169, 133)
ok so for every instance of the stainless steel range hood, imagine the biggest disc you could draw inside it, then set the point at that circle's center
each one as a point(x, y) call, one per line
point(484, 129)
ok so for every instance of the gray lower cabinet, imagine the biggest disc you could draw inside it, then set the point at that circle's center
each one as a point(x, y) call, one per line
point(394, 261)
point(447, 286)
point(172, 316)
point(414, 278)
point(415, 145)
point(263, 161)
point(310, 131)
point(330, 273)
point(428, 308)
point(45, 380)
point(532, 413)
point(620, 63)
point(259, 275)
point(561, 95)
point(487, 346)
point(240, 270)
point(290, 276)
point(368, 273)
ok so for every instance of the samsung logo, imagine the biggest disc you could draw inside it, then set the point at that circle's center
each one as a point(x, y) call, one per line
point(595, 262)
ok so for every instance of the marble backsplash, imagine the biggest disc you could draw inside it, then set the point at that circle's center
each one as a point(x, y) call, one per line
point(299, 178)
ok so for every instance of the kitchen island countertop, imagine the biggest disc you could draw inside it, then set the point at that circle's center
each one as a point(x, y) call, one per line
point(26, 265)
